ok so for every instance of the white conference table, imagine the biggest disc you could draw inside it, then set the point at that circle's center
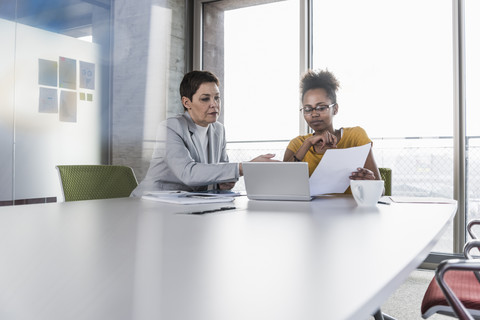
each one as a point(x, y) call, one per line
point(271, 260)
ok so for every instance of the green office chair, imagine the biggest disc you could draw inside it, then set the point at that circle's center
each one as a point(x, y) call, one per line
point(87, 182)
point(386, 175)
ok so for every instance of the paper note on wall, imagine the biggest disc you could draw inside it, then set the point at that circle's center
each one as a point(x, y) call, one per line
point(67, 73)
point(48, 100)
point(87, 75)
point(47, 73)
point(68, 106)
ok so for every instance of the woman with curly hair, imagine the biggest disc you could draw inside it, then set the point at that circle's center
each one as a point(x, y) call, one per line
point(319, 101)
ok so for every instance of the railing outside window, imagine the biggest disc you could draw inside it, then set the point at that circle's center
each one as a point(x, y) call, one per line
point(421, 167)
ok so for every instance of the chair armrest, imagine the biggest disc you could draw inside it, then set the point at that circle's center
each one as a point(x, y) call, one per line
point(469, 246)
point(470, 225)
point(461, 265)
point(466, 252)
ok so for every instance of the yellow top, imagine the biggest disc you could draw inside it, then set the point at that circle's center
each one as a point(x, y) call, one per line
point(351, 137)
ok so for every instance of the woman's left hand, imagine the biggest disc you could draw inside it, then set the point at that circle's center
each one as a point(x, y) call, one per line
point(226, 185)
point(322, 141)
point(362, 174)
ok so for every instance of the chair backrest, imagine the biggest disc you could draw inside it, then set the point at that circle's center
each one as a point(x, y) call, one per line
point(386, 175)
point(87, 182)
point(456, 293)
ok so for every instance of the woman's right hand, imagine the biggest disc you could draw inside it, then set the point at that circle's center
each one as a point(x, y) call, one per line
point(264, 158)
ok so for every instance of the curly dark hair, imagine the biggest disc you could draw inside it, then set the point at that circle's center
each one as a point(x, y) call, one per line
point(193, 80)
point(320, 79)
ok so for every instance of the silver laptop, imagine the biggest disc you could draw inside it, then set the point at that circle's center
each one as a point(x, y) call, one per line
point(277, 180)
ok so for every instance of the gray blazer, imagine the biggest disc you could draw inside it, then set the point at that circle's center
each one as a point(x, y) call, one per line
point(177, 164)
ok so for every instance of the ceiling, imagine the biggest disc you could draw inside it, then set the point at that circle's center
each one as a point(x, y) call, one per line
point(70, 17)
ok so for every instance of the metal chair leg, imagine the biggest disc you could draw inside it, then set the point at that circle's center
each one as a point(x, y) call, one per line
point(379, 315)
point(387, 317)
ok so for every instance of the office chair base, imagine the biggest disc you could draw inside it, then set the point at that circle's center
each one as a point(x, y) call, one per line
point(379, 315)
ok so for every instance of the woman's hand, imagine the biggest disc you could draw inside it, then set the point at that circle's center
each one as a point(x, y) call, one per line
point(263, 158)
point(362, 174)
point(226, 185)
point(321, 141)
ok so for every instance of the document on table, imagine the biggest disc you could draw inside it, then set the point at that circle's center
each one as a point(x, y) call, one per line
point(402, 199)
point(333, 172)
point(183, 197)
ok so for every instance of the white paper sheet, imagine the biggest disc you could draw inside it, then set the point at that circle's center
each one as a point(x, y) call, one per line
point(182, 197)
point(333, 172)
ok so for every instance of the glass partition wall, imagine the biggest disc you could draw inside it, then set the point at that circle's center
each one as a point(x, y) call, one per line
point(55, 73)
point(7, 94)
point(399, 64)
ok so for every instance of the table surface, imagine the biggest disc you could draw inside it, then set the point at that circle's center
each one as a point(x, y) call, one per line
point(139, 259)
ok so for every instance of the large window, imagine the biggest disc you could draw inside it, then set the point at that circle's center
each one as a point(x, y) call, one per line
point(255, 52)
point(395, 73)
point(400, 67)
point(472, 44)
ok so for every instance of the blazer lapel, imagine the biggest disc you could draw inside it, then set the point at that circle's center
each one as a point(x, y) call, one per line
point(195, 144)
point(214, 144)
point(211, 142)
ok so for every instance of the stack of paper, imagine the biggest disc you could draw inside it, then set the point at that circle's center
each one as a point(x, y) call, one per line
point(183, 197)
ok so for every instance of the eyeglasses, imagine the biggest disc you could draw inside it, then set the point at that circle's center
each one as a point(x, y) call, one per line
point(318, 109)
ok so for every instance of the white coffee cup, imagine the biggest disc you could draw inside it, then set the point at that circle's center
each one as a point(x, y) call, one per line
point(366, 192)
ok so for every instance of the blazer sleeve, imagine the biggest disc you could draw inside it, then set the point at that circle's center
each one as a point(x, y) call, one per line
point(179, 158)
